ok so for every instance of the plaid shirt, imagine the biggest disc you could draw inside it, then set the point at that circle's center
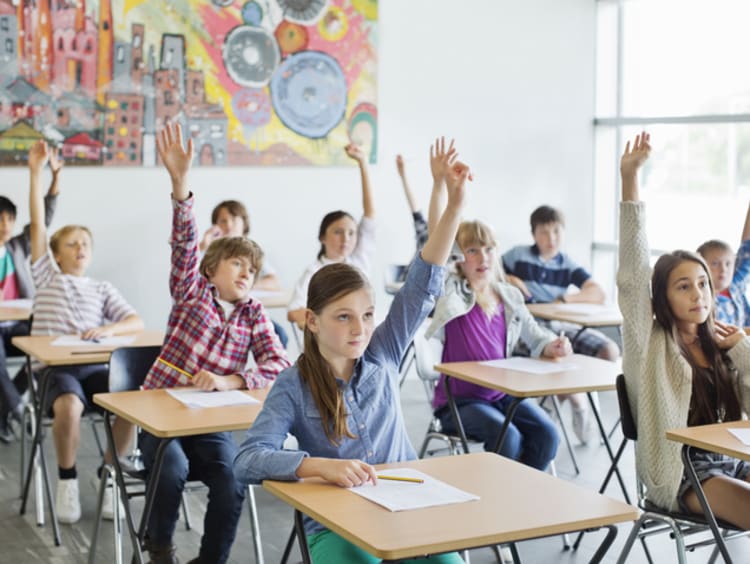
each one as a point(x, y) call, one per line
point(199, 336)
point(734, 308)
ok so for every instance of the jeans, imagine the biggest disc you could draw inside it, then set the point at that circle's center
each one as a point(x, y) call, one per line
point(203, 457)
point(531, 437)
point(9, 397)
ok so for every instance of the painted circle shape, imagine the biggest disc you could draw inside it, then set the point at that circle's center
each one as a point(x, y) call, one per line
point(334, 25)
point(308, 92)
point(252, 13)
point(302, 11)
point(292, 37)
point(250, 55)
point(252, 106)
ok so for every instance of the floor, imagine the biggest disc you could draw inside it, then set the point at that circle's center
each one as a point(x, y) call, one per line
point(23, 541)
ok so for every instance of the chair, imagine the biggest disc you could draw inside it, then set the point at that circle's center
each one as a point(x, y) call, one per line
point(128, 367)
point(395, 274)
point(680, 524)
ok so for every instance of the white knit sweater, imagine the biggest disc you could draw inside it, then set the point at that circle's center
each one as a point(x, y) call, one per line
point(658, 378)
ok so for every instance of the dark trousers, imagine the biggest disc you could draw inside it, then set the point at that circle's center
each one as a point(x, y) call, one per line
point(9, 396)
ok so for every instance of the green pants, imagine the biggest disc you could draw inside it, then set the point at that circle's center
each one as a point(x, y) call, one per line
point(327, 547)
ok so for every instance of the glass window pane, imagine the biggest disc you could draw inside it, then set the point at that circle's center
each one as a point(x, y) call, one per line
point(606, 177)
point(606, 59)
point(685, 57)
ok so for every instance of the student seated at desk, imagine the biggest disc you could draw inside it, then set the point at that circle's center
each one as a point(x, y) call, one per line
point(681, 367)
point(543, 273)
point(730, 274)
point(230, 219)
point(341, 399)
point(482, 317)
point(68, 302)
point(341, 240)
point(16, 283)
point(213, 328)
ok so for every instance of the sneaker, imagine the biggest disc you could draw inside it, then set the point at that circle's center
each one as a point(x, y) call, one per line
point(68, 504)
point(108, 502)
point(582, 424)
point(6, 432)
point(506, 555)
point(162, 554)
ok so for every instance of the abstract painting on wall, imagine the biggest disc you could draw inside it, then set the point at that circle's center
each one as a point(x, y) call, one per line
point(253, 82)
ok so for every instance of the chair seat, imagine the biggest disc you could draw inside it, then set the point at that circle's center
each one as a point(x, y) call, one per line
point(697, 518)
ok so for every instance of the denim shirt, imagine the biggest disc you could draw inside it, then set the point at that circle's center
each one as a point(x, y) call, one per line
point(371, 396)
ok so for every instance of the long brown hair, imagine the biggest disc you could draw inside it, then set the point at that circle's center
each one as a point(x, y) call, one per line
point(328, 219)
point(328, 285)
point(705, 405)
point(478, 233)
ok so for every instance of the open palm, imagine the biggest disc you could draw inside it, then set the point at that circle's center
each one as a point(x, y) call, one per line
point(176, 159)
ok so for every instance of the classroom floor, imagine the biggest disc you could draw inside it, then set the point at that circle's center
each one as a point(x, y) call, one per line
point(22, 541)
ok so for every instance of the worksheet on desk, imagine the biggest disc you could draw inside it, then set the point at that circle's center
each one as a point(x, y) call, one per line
point(742, 434)
point(104, 342)
point(531, 365)
point(193, 397)
point(17, 304)
point(402, 495)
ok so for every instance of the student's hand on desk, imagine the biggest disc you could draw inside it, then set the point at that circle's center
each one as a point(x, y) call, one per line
point(209, 381)
point(348, 473)
point(558, 348)
point(727, 336)
point(441, 158)
point(97, 333)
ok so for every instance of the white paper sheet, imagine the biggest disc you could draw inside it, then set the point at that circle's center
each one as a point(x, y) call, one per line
point(402, 496)
point(106, 342)
point(743, 434)
point(198, 398)
point(17, 304)
point(531, 365)
point(587, 309)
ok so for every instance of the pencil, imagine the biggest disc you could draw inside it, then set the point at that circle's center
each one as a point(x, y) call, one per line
point(401, 479)
point(173, 367)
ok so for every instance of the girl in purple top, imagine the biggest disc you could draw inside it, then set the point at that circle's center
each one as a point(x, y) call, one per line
point(482, 318)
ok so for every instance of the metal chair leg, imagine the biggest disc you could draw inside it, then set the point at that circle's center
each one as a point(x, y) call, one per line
point(564, 429)
point(254, 525)
point(186, 512)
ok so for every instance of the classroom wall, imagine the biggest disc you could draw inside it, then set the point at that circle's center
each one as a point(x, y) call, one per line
point(513, 82)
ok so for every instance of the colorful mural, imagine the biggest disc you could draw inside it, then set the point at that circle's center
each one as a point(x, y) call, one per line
point(253, 82)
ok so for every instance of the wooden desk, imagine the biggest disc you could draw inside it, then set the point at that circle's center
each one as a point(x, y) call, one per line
point(40, 347)
point(713, 438)
point(504, 513)
point(272, 299)
point(167, 418)
point(586, 315)
point(591, 375)
point(14, 313)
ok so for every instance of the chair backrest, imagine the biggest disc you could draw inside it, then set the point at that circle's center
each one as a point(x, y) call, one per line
point(395, 273)
point(427, 353)
point(629, 430)
point(128, 367)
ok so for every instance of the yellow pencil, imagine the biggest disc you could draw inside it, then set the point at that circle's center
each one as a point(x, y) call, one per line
point(173, 367)
point(401, 479)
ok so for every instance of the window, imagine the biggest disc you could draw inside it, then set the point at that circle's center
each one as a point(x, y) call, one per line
point(694, 99)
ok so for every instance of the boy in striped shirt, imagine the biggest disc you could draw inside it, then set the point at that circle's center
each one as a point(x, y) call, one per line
point(68, 302)
point(214, 329)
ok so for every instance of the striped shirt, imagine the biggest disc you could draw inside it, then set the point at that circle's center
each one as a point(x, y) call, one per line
point(546, 280)
point(200, 336)
point(69, 305)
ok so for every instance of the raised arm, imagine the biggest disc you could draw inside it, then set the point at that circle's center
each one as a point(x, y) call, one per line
point(38, 157)
point(176, 159)
point(355, 152)
point(440, 161)
point(55, 166)
point(413, 207)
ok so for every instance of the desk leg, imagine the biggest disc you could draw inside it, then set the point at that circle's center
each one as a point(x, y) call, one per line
point(605, 439)
point(508, 418)
point(708, 514)
point(37, 450)
point(151, 487)
point(606, 543)
point(301, 537)
point(456, 416)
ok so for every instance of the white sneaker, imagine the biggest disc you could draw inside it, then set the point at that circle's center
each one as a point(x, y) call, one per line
point(582, 424)
point(108, 502)
point(68, 503)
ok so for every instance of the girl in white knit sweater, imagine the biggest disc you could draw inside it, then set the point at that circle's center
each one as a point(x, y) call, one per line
point(681, 366)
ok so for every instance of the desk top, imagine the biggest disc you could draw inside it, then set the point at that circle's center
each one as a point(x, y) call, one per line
point(586, 315)
point(499, 482)
point(163, 416)
point(271, 299)
point(14, 313)
point(40, 348)
point(591, 375)
point(714, 438)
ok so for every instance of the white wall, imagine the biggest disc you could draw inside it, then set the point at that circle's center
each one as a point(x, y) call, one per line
point(513, 82)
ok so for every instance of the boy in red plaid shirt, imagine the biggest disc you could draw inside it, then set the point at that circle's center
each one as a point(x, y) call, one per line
point(213, 327)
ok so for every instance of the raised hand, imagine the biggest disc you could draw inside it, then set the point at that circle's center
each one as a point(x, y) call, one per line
point(38, 156)
point(55, 161)
point(441, 158)
point(400, 165)
point(176, 159)
point(355, 152)
point(455, 181)
point(726, 336)
point(634, 157)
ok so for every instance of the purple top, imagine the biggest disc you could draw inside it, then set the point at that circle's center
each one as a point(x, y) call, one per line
point(472, 336)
